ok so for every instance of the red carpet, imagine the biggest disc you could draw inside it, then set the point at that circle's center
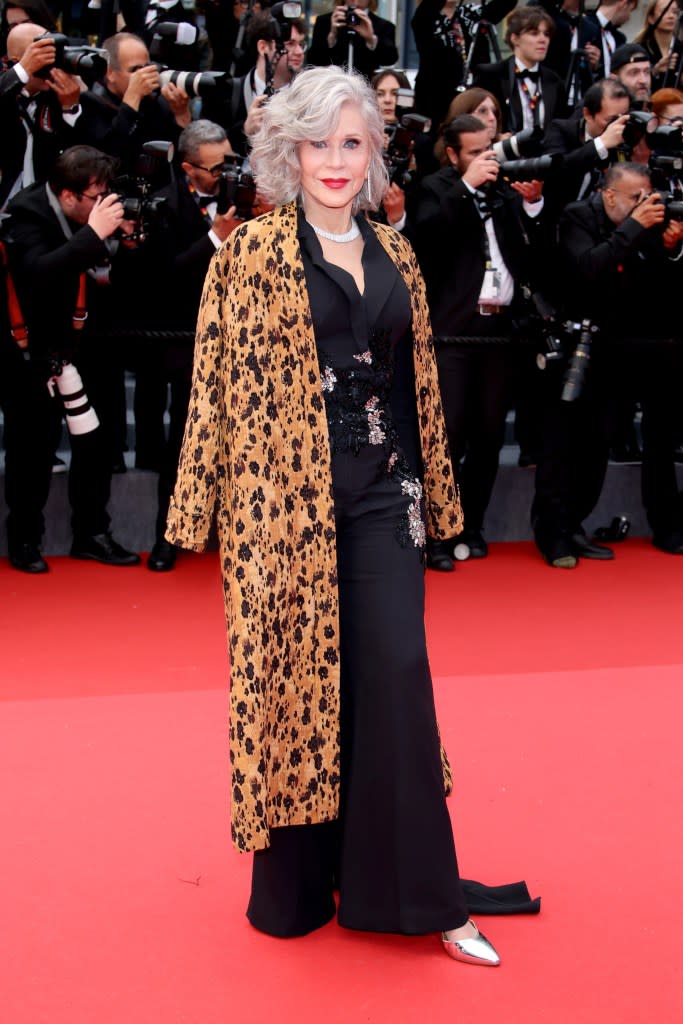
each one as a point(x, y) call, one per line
point(560, 700)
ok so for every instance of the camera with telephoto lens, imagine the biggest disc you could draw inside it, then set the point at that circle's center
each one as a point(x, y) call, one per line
point(536, 168)
point(399, 152)
point(666, 168)
point(81, 418)
point(135, 191)
point(236, 188)
point(194, 83)
point(523, 145)
point(87, 61)
point(635, 130)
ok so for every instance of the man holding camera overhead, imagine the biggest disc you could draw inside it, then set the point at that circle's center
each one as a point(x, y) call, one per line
point(352, 34)
point(622, 260)
point(62, 255)
point(474, 239)
point(39, 106)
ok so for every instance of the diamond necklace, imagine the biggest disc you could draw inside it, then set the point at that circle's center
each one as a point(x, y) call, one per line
point(348, 236)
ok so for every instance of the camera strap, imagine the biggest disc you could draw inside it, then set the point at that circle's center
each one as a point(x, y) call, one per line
point(17, 325)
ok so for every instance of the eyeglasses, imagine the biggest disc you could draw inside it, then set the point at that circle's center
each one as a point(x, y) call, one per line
point(678, 119)
point(633, 196)
point(214, 171)
point(98, 195)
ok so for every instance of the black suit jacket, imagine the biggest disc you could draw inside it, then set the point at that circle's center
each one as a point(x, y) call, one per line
point(500, 80)
point(47, 268)
point(51, 134)
point(610, 269)
point(449, 239)
point(559, 53)
point(117, 129)
point(565, 137)
point(364, 60)
point(619, 40)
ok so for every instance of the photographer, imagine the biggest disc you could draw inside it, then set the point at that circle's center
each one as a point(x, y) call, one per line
point(632, 66)
point(62, 255)
point(623, 273)
point(354, 31)
point(280, 47)
point(128, 109)
point(474, 239)
point(575, 50)
point(179, 255)
point(588, 141)
point(39, 107)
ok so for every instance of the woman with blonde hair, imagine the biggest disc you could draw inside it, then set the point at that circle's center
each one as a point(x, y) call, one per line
point(316, 436)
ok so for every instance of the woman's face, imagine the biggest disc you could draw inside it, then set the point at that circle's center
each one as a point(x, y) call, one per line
point(672, 114)
point(334, 168)
point(668, 22)
point(387, 96)
point(16, 16)
point(486, 112)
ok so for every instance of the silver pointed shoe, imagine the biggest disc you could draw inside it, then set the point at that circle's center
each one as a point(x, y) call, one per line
point(475, 950)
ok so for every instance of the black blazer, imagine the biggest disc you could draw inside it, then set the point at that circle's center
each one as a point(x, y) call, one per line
point(51, 134)
point(619, 40)
point(364, 60)
point(500, 80)
point(112, 126)
point(565, 137)
point(609, 269)
point(448, 235)
point(47, 268)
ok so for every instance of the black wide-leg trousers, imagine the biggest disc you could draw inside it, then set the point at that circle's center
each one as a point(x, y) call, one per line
point(391, 852)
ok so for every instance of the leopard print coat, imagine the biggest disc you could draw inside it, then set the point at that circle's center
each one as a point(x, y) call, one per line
point(256, 456)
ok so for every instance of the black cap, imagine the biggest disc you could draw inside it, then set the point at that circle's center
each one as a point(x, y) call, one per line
point(629, 53)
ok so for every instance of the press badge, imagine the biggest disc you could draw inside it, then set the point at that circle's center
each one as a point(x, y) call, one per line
point(490, 289)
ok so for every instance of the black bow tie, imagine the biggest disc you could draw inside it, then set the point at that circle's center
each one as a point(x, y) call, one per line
point(609, 27)
point(533, 76)
point(573, 19)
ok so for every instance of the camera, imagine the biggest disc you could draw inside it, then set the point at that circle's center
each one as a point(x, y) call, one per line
point(87, 61)
point(236, 188)
point(194, 83)
point(537, 168)
point(522, 145)
point(135, 191)
point(353, 19)
point(635, 129)
point(666, 168)
point(81, 418)
point(399, 151)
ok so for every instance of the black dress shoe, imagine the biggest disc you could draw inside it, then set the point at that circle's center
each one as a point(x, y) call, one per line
point(585, 548)
point(672, 542)
point(102, 547)
point(162, 557)
point(439, 555)
point(560, 553)
point(27, 558)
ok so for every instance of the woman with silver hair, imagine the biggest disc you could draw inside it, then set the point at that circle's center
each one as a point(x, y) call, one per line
point(316, 435)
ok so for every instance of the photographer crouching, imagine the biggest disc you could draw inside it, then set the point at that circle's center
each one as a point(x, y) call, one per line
point(62, 254)
point(622, 257)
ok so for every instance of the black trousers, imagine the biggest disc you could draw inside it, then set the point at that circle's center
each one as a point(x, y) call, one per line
point(475, 391)
point(391, 852)
point(33, 424)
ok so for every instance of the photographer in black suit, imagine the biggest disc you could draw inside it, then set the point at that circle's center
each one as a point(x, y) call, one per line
point(588, 141)
point(39, 107)
point(372, 39)
point(529, 93)
point(622, 271)
point(127, 109)
point(62, 255)
point(179, 254)
point(474, 238)
point(609, 18)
